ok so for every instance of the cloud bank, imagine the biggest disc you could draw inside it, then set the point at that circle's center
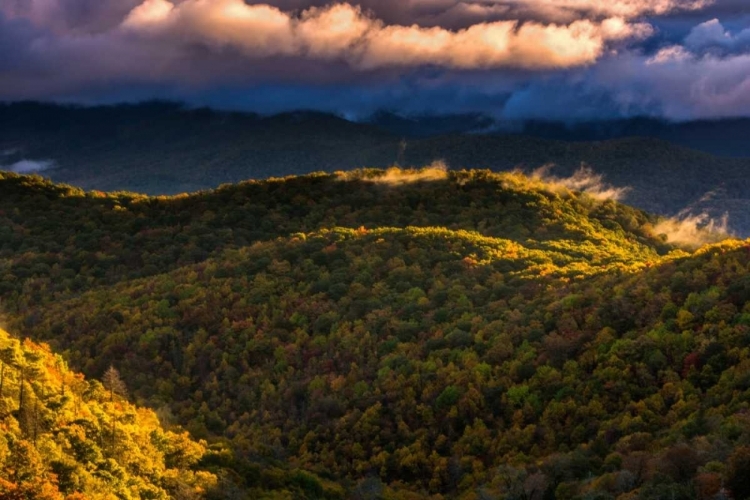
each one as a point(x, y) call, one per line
point(517, 59)
point(89, 16)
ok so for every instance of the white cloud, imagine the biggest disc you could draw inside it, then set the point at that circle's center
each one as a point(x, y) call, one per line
point(673, 53)
point(345, 32)
point(583, 180)
point(693, 230)
point(149, 13)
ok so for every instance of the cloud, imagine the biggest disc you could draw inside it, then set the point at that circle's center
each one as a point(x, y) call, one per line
point(515, 59)
point(692, 230)
point(30, 166)
point(673, 53)
point(462, 13)
point(345, 32)
point(684, 86)
point(674, 83)
point(584, 180)
point(92, 16)
point(176, 48)
point(395, 176)
point(576, 9)
point(70, 16)
point(711, 36)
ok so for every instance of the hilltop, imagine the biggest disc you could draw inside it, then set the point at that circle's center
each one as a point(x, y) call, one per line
point(163, 148)
point(61, 238)
point(401, 334)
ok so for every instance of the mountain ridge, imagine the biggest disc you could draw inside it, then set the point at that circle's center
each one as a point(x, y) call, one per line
point(163, 148)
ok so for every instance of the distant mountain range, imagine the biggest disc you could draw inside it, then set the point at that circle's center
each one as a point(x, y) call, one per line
point(164, 148)
point(729, 137)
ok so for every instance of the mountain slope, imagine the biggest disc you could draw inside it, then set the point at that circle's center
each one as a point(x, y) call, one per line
point(450, 351)
point(402, 334)
point(435, 369)
point(62, 435)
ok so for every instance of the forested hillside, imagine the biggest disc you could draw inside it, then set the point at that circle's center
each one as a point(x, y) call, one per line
point(401, 334)
point(162, 148)
point(62, 436)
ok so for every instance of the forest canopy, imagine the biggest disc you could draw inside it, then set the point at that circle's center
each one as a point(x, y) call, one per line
point(399, 334)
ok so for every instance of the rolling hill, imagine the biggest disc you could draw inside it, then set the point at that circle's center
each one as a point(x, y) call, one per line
point(401, 334)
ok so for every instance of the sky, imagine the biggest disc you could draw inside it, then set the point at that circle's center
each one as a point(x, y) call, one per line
point(512, 59)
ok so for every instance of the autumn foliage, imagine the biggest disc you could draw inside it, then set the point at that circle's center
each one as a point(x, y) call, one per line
point(476, 336)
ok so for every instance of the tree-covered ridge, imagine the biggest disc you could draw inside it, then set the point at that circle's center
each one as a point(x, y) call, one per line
point(56, 239)
point(400, 334)
point(163, 148)
point(63, 437)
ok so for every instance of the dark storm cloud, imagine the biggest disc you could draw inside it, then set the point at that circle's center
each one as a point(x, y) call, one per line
point(515, 58)
point(462, 13)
